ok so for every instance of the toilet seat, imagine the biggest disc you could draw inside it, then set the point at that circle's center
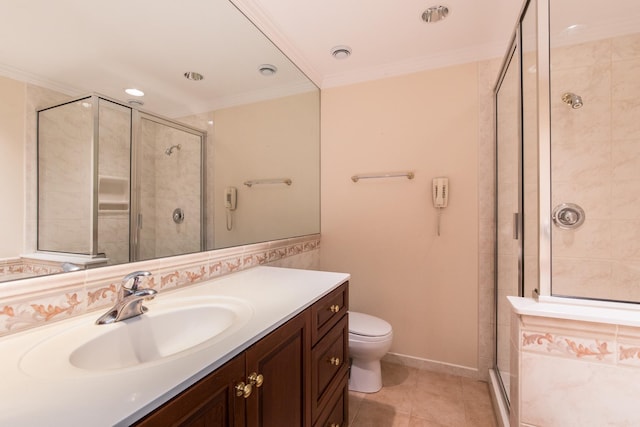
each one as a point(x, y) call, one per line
point(363, 326)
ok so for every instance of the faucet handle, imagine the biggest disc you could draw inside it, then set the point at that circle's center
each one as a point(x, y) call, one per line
point(135, 276)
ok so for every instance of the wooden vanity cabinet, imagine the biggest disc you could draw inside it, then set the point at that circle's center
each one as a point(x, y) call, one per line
point(210, 402)
point(282, 358)
point(295, 376)
point(330, 358)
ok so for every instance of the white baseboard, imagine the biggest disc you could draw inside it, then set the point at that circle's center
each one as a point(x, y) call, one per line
point(431, 365)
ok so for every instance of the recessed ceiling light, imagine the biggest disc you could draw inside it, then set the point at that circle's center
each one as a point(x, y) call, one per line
point(341, 52)
point(192, 75)
point(267, 69)
point(134, 92)
point(135, 102)
point(435, 14)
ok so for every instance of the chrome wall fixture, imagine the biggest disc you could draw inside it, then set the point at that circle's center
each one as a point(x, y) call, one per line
point(178, 216)
point(568, 216)
point(435, 14)
point(169, 151)
point(252, 182)
point(570, 98)
point(408, 175)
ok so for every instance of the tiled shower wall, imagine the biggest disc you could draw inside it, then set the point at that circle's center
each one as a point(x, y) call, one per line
point(596, 164)
point(169, 182)
point(65, 191)
point(114, 150)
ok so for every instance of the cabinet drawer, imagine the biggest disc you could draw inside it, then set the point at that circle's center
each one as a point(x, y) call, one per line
point(326, 312)
point(330, 361)
point(337, 412)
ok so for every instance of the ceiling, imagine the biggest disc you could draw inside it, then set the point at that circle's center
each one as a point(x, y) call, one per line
point(79, 47)
point(387, 37)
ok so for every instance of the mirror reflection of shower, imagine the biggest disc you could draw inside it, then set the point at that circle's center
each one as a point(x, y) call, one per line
point(169, 151)
point(570, 98)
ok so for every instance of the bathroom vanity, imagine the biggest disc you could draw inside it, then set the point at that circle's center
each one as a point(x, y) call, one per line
point(281, 359)
point(295, 376)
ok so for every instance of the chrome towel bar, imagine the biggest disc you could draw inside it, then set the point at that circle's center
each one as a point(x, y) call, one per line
point(268, 181)
point(408, 175)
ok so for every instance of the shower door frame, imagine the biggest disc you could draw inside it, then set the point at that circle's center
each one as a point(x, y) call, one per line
point(136, 157)
point(543, 111)
point(514, 52)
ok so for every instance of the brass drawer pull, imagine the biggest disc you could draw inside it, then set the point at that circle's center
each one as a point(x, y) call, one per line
point(256, 379)
point(335, 361)
point(334, 425)
point(334, 308)
point(243, 390)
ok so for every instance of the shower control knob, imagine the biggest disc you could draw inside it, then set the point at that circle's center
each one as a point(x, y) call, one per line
point(178, 216)
point(568, 216)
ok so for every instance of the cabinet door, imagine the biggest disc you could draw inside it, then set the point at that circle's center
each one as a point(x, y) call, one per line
point(282, 358)
point(211, 402)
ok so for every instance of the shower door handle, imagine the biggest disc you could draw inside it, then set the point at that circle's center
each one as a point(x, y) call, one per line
point(516, 225)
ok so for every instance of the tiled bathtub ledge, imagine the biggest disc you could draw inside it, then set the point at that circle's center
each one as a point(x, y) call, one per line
point(32, 302)
point(585, 354)
point(586, 311)
point(595, 334)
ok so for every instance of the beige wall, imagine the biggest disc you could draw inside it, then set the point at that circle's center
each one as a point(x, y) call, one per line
point(12, 122)
point(383, 231)
point(280, 142)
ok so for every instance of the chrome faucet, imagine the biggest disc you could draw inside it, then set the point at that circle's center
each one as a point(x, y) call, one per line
point(130, 299)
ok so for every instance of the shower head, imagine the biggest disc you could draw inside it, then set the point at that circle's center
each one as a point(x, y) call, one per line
point(572, 99)
point(169, 151)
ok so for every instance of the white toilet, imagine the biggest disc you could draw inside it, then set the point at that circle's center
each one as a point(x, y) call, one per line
point(369, 339)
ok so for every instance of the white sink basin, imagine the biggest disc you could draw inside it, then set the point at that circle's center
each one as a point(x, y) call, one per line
point(167, 331)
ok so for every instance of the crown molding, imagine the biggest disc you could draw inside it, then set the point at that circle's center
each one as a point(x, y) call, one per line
point(414, 65)
point(23, 76)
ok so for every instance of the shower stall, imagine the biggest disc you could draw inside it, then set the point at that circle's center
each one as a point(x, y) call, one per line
point(567, 128)
point(118, 184)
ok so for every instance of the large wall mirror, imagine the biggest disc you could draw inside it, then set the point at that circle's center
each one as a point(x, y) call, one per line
point(205, 70)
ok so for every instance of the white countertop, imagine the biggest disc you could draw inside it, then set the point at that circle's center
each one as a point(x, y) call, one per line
point(120, 397)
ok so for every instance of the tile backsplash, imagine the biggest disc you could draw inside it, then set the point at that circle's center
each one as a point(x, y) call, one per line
point(35, 301)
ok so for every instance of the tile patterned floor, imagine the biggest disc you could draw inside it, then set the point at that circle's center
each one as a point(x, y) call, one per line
point(416, 398)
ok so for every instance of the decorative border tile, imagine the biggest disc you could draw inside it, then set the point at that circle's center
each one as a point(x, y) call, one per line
point(587, 348)
point(17, 268)
point(35, 301)
point(580, 340)
point(27, 314)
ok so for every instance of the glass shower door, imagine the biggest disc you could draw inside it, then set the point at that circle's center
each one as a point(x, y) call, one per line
point(508, 210)
point(169, 187)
